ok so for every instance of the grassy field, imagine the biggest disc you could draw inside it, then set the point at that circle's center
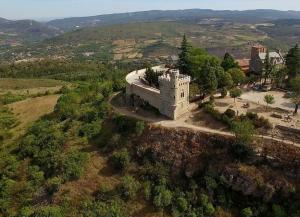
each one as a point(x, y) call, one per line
point(19, 84)
point(30, 110)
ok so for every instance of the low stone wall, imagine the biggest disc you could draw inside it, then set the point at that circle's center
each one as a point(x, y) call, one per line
point(289, 129)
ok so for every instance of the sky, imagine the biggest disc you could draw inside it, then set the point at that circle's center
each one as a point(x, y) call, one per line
point(47, 9)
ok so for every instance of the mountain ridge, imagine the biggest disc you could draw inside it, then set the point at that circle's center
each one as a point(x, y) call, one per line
point(173, 15)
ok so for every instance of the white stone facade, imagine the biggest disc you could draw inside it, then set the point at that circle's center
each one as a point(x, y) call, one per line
point(172, 97)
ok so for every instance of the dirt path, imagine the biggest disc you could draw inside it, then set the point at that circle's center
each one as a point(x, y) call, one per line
point(181, 123)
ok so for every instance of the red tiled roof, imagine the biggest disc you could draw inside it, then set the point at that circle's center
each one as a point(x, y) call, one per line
point(244, 64)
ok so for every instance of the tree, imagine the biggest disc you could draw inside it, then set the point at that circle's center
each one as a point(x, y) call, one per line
point(243, 131)
point(183, 62)
point(229, 62)
point(267, 67)
point(235, 92)
point(237, 75)
point(207, 79)
point(225, 80)
point(269, 99)
point(295, 87)
point(44, 143)
point(152, 77)
point(293, 62)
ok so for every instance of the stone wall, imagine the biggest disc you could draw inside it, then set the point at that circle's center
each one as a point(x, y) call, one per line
point(151, 96)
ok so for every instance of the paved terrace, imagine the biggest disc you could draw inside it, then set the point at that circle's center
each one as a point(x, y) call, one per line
point(134, 78)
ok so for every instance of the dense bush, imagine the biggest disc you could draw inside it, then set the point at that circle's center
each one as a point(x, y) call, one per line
point(162, 197)
point(44, 143)
point(258, 122)
point(53, 184)
point(121, 159)
point(127, 125)
point(73, 165)
point(230, 113)
point(129, 187)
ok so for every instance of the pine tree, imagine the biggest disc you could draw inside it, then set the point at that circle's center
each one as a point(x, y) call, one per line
point(183, 62)
point(229, 62)
point(293, 62)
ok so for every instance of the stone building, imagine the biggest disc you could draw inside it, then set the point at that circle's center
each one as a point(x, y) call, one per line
point(172, 97)
point(258, 57)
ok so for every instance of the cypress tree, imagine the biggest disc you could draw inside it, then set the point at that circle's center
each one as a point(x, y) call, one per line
point(183, 62)
point(293, 62)
point(267, 67)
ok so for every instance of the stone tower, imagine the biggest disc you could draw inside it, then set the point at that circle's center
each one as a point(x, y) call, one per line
point(174, 94)
point(257, 49)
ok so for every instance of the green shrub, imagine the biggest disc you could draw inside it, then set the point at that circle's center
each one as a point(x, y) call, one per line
point(48, 211)
point(90, 130)
point(247, 212)
point(162, 197)
point(139, 127)
point(121, 159)
point(278, 211)
point(73, 165)
point(224, 92)
point(181, 204)
point(129, 187)
point(241, 151)
point(230, 113)
point(258, 122)
point(44, 143)
point(244, 132)
point(208, 208)
point(53, 184)
point(147, 190)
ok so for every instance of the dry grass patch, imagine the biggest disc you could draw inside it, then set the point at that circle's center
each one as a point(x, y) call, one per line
point(30, 110)
point(97, 173)
point(18, 84)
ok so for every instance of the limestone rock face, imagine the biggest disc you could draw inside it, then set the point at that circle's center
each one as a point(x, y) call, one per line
point(189, 152)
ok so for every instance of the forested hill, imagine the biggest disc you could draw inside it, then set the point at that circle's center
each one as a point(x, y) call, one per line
point(26, 30)
point(159, 15)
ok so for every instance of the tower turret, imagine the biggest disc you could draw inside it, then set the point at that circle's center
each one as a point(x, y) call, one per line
point(174, 93)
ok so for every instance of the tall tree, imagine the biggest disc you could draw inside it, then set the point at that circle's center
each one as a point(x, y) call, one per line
point(295, 84)
point(293, 62)
point(237, 75)
point(207, 79)
point(229, 62)
point(267, 67)
point(183, 62)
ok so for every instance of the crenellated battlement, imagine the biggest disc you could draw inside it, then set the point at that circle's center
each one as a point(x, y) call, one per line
point(172, 98)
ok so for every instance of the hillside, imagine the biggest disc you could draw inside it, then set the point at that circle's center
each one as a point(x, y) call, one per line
point(148, 35)
point(156, 40)
point(194, 15)
point(16, 33)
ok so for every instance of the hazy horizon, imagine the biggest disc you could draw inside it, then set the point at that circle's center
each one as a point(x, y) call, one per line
point(53, 9)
